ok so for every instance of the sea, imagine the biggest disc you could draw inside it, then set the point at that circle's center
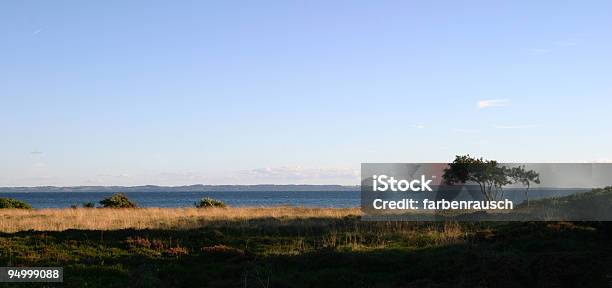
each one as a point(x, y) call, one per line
point(325, 199)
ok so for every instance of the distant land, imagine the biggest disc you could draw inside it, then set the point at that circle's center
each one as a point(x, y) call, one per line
point(188, 188)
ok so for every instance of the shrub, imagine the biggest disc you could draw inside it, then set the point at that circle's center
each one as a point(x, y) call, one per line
point(223, 250)
point(209, 202)
point(118, 200)
point(13, 203)
point(138, 242)
point(175, 252)
point(157, 244)
point(84, 205)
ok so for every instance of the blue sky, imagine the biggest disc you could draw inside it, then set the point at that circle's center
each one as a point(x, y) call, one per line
point(247, 92)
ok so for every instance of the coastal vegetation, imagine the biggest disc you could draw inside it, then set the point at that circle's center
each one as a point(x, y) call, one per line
point(117, 200)
point(8, 203)
point(490, 175)
point(14, 220)
point(300, 247)
point(303, 247)
point(207, 202)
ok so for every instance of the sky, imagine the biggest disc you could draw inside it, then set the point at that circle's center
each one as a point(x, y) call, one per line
point(295, 92)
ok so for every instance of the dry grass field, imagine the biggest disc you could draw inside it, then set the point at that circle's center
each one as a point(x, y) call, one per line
point(299, 247)
point(14, 220)
point(303, 247)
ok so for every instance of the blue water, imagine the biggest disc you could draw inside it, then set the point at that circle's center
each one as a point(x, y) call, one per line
point(187, 199)
point(251, 198)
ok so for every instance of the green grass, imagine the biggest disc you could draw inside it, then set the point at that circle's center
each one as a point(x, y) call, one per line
point(327, 251)
point(324, 253)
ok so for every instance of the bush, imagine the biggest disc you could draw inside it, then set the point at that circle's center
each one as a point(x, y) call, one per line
point(175, 252)
point(222, 250)
point(117, 201)
point(84, 205)
point(13, 203)
point(209, 202)
point(138, 242)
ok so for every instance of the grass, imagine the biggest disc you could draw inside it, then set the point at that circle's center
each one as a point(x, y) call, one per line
point(303, 247)
point(14, 220)
point(300, 247)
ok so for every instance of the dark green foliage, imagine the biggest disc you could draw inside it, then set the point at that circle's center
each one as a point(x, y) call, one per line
point(13, 203)
point(490, 176)
point(302, 253)
point(89, 205)
point(581, 206)
point(327, 252)
point(525, 177)
point(209, 202)
point(117, 201)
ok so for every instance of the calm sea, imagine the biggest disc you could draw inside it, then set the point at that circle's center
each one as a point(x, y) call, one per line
point(187, 199)
point(248, 198)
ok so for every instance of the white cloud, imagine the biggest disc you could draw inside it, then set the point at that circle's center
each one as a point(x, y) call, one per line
point(523, 126)
point(269, 175)
point(418, 126)
point(493, 103)
point(465, 130)
point(544, 51)
point(481, 142)
point(300, 175)
point(567, 43)
point(539, 51)
point(39, 165)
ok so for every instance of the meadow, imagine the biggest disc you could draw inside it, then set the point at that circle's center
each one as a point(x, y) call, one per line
point(14, 220)
point(299, 247)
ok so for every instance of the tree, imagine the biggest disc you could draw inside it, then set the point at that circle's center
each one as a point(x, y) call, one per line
point(525, 177)
point(489, 175)
point(117, 200)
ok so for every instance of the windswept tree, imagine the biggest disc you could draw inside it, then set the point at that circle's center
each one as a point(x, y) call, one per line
point(490, 176)
point(525, 177)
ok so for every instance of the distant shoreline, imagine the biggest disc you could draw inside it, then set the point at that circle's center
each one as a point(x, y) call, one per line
point(187, 188)
point(219, 188)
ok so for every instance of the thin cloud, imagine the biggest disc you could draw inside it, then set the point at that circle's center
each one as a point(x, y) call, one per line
point(558, 44)
point(39, 165)
point(35, 152)
point(300, 174)
point(482, 104)
point(465, 130)
point(37, 32)
point(539, 51)
point(567, 43)
point(524, 126)
point(418, 126)
point(481, 142)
